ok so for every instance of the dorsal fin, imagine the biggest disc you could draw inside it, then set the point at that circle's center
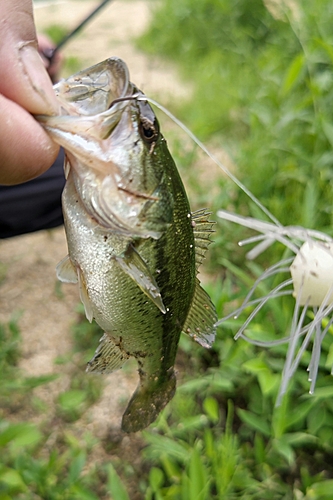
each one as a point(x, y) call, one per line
point(201, 318)
point(202, 230)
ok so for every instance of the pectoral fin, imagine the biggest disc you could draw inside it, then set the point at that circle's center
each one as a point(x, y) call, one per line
point(108, 357)
point(66, 272)
point(132, 264)
point(201, 318)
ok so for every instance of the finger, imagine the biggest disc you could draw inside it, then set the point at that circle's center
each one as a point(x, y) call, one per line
point(23, 77)
point(26, 149)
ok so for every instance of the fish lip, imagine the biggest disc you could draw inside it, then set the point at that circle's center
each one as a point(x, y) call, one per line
point(92, 92)
point(92, 102)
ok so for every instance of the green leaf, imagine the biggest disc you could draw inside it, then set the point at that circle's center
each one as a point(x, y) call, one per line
point(298, 413)
point(328, 131)
point(70, 400)
point(284, 449)
point(293, 73)
point(300, 438)
point(32, 382)
point(268, 382)
point(13, 480)
point(76, 467)
point(255, 365)
point(20, 435)
point(310, 203)
point(80, 493)
point(156, 478)
point(211, 408)
point(198, 477)
point(171, 468)
point(320, 393)
point(115, 486)
point(254, 421)
point(162, 445)
point(322, 490)
point(316, 418)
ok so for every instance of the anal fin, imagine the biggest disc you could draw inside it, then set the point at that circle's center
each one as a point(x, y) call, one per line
point(108, 357)
point(201, 318)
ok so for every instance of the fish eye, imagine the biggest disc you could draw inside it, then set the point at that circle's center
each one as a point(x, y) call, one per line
point(149, 131)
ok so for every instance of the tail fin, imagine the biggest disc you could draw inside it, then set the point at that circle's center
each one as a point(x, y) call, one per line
point(145, 405)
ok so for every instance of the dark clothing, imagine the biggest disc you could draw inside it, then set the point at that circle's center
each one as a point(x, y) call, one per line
point(33, 205)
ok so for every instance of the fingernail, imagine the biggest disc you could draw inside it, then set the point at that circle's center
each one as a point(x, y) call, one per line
point(44, 97)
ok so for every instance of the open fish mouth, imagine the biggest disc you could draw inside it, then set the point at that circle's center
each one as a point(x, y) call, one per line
point(101, 128)
point(91, 102)
point(92, 92)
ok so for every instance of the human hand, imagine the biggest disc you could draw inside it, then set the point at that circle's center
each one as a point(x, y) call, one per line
point(26, 151)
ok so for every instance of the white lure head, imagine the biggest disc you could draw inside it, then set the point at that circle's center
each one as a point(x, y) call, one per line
point(312, 274)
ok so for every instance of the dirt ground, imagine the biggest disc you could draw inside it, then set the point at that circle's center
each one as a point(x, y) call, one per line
point(27, 263)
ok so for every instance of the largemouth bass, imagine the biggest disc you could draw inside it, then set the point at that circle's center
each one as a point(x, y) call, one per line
point(134, 245)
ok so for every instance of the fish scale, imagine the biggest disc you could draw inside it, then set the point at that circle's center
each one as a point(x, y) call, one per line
point(134, 247)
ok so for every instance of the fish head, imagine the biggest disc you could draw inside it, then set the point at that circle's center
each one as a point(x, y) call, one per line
point(114, 150)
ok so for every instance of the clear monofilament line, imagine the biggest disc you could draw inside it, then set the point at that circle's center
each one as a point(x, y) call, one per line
point(214, 159)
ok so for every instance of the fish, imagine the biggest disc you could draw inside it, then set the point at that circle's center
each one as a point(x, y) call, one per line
point(134, 246)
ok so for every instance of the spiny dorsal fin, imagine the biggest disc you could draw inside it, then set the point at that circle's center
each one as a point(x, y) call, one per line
point(202, 230)
point(108, 357)
point(201, 318)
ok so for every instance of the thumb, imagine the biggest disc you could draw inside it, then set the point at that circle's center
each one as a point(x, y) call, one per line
point(23, 77)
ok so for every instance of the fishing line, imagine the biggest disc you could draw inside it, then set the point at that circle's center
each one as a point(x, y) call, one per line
point(213, 158)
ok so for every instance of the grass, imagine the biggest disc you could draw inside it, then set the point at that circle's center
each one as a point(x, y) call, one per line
point(263, 89)
point(46, 452)
point(262, 84)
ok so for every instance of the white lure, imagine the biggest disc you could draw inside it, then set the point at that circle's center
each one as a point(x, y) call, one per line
point(312, 274)
point(310, 282)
